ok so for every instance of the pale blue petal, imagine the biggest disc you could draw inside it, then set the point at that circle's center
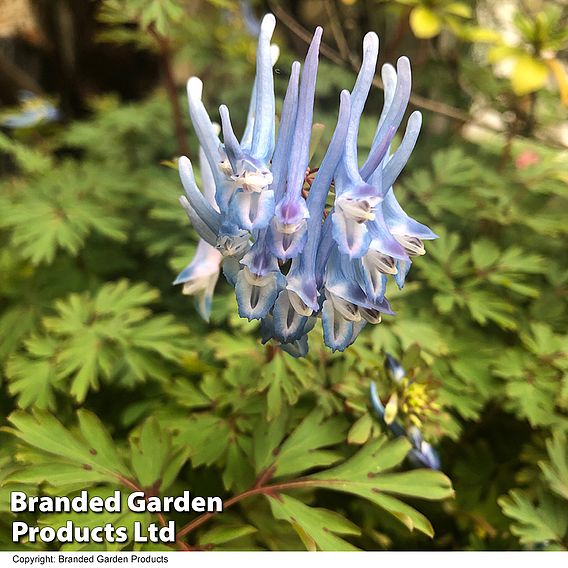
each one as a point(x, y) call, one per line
point(393, 118)
point(200, 276)
point(285, 133)
point(288, 324)
point(256, 300)
point(263, 129)
point(231, 269)
point(359, 96)
point(259, 260)
point(288, 229)
point(301, 280)
point(196, 199)
point(382, 239)
point(266, 329)
point(398, 160)
point(388, 75)
point(232, 146)
point(357, 328)
point(252, 210)
point(403, 267)
point(352, 238)
point(337, 331)
point(341, 281)
point(399, 223)
point(205, 262)
point(246, 140)
point(205, 131)
point(232, 241)
point(371, 281)
point(319, 189)
point(207, 179)
point(325, 249)
point(299, 155)
point(203, 302)
point(203, 230)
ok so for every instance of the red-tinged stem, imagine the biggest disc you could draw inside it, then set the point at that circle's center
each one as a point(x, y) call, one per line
point(265, 490)
point(132, 486)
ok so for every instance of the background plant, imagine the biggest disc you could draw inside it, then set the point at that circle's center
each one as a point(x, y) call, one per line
point(99, 352)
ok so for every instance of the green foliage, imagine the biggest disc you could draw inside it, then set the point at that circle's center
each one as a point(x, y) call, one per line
point(86, 456)
point(540, 514)
point(157, 14)
point(108, 337)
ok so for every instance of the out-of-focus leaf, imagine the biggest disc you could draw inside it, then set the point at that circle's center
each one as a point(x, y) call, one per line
point(529, 75)
point(546, 521)
point(556, 472)
point(424, 22)
point(87, 456)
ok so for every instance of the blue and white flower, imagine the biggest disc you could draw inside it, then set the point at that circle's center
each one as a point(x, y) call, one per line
point(290, 258)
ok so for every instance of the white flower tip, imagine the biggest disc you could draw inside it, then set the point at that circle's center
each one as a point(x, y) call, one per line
point(184, 162)
point(267, 25)
point(371, 42)
point(194, 88)
point(403, 64)
point(224, 111)
point(415, 119)
point(216, 128)
point(185, 169)
point(274, 53)
point(344, 97)
point(388, 73)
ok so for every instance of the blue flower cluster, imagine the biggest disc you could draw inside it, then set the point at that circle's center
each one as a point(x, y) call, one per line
point(262, 213)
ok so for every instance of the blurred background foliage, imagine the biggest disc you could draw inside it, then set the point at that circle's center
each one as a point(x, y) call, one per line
point(92, 236)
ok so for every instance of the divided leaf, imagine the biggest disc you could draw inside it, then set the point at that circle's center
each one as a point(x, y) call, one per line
point(366, 475)
point(304, 448)
point(92, 338)
point(556, 472)
point(546, 521)
point(318, 528)
point(86, 456)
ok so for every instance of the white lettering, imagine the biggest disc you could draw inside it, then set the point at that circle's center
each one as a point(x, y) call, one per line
point(18, 529)
point(18, 501)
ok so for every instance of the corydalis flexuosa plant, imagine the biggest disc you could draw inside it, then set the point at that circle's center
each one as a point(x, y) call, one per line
point(288, 258)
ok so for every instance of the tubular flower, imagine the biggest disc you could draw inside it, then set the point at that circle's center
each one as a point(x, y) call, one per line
point(200, 276)
point(291, 260)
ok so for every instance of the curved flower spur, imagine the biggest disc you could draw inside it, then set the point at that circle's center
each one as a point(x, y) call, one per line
point(289, 259)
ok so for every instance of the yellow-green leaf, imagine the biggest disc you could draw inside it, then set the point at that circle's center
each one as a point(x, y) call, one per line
point(424, 23)
point(480, 35)
point(458, 9)
point(529, 75)
point(501, 52)
point(360, 432)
